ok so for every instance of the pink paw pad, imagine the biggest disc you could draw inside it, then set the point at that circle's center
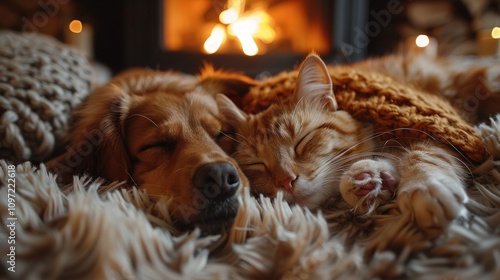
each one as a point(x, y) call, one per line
point(368, 187)
point(388, 183)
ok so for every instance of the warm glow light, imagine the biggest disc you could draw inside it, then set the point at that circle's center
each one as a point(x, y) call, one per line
point(234, 10)
point(254, 25)
point(217, 37)
point(75, 26)
point(495, 33)
point(266, 34)
point(264, 30)
point(422, 41)
point(229, 16)
point(248, 45)
point(245, 26)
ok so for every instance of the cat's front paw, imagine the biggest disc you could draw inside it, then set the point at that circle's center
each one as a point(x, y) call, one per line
point(369, 183)
point(433, 198)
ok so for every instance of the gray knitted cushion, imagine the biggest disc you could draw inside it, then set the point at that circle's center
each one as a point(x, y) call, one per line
point(41, 82)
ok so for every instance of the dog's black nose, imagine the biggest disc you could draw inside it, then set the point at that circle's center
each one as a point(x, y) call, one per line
point(216, 181)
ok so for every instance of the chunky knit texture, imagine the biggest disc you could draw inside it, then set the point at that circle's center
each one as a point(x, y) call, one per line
point(41, 82)
point(390, 105)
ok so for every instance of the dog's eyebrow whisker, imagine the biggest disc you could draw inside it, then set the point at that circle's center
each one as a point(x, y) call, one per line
point(232, 138)
point(228, 135)
point(244, 138)
point(237, 134)
point(141, 115)
point(241, 135)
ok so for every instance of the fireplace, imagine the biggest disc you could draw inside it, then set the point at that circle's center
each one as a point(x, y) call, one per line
point(257, 37)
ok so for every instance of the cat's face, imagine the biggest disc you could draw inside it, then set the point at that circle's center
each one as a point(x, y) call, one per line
point(302, 147)
point(302, 152)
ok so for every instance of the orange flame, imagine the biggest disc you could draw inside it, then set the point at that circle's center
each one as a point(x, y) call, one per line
point(217, 37)
point(245, 26)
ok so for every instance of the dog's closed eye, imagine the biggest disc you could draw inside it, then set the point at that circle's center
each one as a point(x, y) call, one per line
point(167, 145)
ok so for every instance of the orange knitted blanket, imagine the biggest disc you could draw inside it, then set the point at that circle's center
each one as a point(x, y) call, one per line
point(389, 104)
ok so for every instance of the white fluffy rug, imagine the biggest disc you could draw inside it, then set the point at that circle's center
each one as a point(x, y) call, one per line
point(96, 231)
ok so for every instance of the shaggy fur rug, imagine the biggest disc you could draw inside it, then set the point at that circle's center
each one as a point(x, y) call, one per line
point(98, 231)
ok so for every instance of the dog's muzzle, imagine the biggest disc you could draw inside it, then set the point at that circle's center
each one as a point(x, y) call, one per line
point(215, 187)
point(216, 181)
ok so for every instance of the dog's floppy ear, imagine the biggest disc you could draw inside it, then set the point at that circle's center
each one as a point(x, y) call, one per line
point(97, 144)
point(233, 85)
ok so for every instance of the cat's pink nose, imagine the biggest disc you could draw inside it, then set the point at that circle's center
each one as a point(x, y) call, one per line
point(287, 182)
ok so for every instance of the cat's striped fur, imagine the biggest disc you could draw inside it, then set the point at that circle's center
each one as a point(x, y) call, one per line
point(311, 151)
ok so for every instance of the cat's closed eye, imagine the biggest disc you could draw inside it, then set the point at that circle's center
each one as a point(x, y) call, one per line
point(299, 148)
point(318, 142)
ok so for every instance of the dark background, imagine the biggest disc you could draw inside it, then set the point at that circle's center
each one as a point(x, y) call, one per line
point(126, 33)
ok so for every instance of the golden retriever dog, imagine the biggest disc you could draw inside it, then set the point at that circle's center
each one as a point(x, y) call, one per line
point(162, 132)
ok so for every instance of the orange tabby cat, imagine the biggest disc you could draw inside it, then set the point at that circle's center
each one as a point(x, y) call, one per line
point(311, 151)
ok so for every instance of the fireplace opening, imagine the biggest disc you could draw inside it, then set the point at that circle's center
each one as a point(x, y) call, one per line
point(247, 27)
point(255, 37)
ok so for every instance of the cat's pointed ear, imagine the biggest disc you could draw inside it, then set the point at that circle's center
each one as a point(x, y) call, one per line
point(314, 82)
point(230, 111)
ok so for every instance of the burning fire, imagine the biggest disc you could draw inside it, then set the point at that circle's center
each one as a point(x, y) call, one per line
point(246, 26)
